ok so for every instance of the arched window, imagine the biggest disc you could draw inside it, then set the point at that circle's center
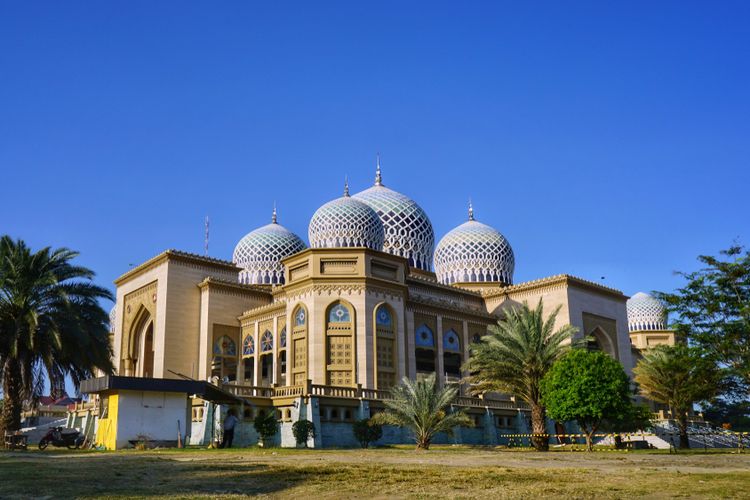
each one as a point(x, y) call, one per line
point(339, 345)
point(282, 356)
point(300, 317)
point(385, 343)
point(266, 358)
point(424, 337)
point(225, 347)
point(248, 359)
point(248, 346)
point(224, 363)
point(451, 354)
point(266, 341)
point(299, 346)
point(424, 340)
point(339, 314)
point(450, 341)
point(383, 316)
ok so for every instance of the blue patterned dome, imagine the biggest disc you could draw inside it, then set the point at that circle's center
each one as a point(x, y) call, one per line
point(260, 253)
point(646, 313)
point(346, 222)
point(408, 230)
point(474, 253)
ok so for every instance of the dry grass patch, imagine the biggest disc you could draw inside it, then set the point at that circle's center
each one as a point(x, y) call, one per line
point(462, 472)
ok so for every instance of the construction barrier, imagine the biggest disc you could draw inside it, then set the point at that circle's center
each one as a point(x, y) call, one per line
point(626, 441)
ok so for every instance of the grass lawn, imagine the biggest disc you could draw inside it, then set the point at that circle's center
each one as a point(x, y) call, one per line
point(396, 472)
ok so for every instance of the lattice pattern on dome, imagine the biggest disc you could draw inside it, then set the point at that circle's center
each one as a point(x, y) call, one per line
point(346, 222)
point(408, 230)
point(646, 313)
point(260, 252)
point(474, 253)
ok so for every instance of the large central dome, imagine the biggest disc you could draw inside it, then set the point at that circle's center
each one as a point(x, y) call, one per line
point(408, 230)
point(345, 222)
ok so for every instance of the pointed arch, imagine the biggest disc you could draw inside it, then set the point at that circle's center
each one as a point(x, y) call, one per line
point(340, 333)
point(140, 345)
point(384, 319)
point(601, 341)
point(298, 345)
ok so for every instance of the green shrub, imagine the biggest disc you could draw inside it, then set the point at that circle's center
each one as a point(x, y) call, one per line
point(265, 425)
point(366, 431)
point(303, 430)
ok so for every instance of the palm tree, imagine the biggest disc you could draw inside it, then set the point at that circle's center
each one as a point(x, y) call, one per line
point(677, 376)
point(52, 327)
point(514, 357)
point(423, 407)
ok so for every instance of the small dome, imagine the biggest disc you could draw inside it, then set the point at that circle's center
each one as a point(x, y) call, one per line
point(646, 313)
point(112, 318)
point(408, 230)
point(260, 253)
point(474, 253)
point(346, 222)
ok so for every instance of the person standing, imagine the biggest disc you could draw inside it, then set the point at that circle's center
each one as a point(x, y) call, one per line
point(230, 422)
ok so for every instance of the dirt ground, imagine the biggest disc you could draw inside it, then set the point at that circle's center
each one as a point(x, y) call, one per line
point(452, 472)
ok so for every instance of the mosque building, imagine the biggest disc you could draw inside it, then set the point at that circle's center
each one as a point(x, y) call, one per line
point(323, 331)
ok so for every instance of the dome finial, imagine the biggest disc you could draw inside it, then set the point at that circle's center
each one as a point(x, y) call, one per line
point(378, 176)
point(471, 210)
point(346, 185)
point(273, 214)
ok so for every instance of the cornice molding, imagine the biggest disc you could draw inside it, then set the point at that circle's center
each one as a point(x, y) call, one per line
point(179, 256)
point(552, 282)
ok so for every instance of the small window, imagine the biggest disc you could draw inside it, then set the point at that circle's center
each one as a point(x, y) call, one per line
point(339, 314)
point(300, 318)
point(248, 346)
point(424, 337)
point(450, 341)
point(383, 317)
point(225, 347)
point(266, 341)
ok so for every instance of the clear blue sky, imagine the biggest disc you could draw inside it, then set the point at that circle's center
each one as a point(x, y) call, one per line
point(602, 139)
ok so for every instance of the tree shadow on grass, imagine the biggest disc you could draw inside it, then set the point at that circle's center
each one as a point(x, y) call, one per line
point(141, 476)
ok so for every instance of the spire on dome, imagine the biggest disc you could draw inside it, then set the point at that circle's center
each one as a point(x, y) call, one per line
point(471, 210)
point(346, 186)
point(273, 214)
point(378, 176)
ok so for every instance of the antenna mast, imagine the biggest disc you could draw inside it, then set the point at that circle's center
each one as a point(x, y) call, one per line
point(205, 243)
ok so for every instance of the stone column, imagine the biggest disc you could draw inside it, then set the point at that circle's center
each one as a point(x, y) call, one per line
point(411, 360)
point(465, 342)
point(256, 362)
point(275, 353)
point(440, 361)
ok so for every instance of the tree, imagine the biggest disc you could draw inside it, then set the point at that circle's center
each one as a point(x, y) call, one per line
point(678, 377)
point(516, 355)
point(587, 387)
point(265, 425)
point(713, 310)
point(735, 414)
point(51, 325)
point(424, 408)
point(303, 430)
point(637, 419)
point(366, 431)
